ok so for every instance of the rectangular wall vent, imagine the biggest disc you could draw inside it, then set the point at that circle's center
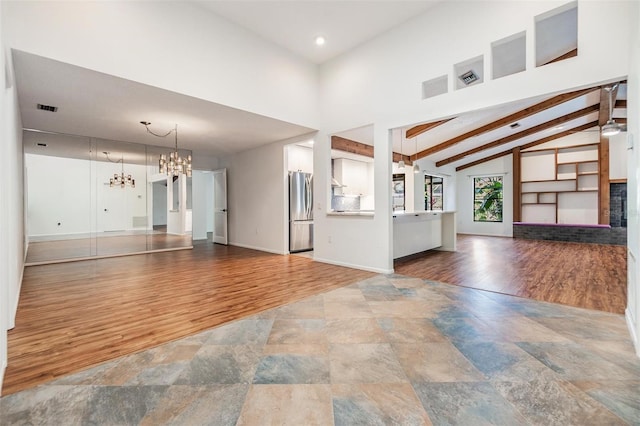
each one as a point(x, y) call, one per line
point(50, 108)
point(469, 72)
point(468, 77)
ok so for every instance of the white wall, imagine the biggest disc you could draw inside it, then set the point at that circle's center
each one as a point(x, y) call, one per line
point(172, 45)
point(257, 197)
point(633, 188)
point(202, 203)
point(618, 156)
point(371, 82)
point(67, 199)
point(355, 241)
point(370, 85)
point(464, 189)
point(59, 191)
point(209, 203)
point(12, 246)
point(158, 202)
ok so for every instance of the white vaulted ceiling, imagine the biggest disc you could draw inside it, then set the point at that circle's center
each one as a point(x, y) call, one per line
point(295, 24)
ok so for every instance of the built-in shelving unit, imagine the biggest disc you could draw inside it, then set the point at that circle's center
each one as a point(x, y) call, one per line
point(560, 185)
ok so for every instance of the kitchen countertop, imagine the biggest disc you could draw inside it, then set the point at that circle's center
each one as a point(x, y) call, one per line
point(357, 213)
point(422, 212)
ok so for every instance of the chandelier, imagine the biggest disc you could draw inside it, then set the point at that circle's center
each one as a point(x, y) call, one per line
point(121, 179)
point(175, 165)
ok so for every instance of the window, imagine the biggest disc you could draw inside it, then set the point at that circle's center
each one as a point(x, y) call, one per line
point(487, 199)
point(433, 193)
point(398, 192)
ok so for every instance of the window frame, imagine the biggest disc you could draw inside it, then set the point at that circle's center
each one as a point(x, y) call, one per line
point(479, 197)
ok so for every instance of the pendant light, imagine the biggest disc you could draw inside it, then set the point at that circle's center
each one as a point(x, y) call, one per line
point(175, 165)
point(416, 168)
point(610, 128)
point(121, 179)
point(401, 162)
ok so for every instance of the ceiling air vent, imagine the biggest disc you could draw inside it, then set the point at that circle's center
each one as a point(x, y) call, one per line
point(49, 108)
point(468, 77)
point(41, 144)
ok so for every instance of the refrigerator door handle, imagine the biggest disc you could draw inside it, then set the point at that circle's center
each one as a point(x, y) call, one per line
point(308, 196)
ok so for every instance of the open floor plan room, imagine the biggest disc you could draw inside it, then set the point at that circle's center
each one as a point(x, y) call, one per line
point(156, 338)
point(383, 350)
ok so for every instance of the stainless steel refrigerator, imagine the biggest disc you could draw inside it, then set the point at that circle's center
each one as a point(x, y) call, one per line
point(300, 211)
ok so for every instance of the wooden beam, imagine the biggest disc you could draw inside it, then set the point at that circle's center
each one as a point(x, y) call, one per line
point(620, 103)
point(528, 132)
point(519, 115)
point(604, 195)
point(421, 128)
point(517, 188)
point(621, 120)
point(569, 54)
point(348, 145)
point(529, 145)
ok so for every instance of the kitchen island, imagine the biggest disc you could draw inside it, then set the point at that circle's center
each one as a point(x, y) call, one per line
point(416, 232)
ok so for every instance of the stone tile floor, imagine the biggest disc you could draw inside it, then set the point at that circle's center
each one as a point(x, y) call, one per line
point(389, 350)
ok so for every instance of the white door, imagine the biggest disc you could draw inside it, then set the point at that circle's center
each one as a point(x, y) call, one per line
point(220, 206)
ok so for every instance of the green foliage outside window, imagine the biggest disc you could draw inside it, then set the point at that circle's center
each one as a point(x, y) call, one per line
point(487, 197)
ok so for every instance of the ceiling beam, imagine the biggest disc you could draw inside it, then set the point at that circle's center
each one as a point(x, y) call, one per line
point(348, 145)
point(512, 118)
point(620, 103)
point(528, 132)
point(421, 128)
point(529, 145)
point(604, 103)
point(569, 54)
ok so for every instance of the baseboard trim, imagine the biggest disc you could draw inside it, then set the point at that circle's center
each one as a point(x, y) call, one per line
point(247, 246)
point(3, 369)
point(632, 331)
point(354, 266)
point(108, 256)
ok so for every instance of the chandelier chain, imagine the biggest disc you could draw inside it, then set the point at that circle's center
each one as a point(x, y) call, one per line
point(146, 126)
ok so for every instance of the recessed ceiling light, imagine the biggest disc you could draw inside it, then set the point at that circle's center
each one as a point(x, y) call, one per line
point(320, 41)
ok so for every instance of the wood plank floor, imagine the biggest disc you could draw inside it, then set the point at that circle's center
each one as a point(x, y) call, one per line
point(80, 314)
point(584, 275)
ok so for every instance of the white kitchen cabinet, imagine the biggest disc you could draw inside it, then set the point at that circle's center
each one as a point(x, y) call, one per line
point(422, 231)
point(355, 175)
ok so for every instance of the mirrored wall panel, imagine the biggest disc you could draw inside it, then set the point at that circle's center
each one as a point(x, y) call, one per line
point(89, 197)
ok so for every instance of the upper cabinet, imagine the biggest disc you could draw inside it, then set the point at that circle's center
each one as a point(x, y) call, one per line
point(355, 176)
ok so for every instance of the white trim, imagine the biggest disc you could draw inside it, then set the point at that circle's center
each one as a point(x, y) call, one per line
point(352, 266)
point(280, 252)
point(77, 259)
point(632, 331)
point(14, 308)
point(3, 369)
